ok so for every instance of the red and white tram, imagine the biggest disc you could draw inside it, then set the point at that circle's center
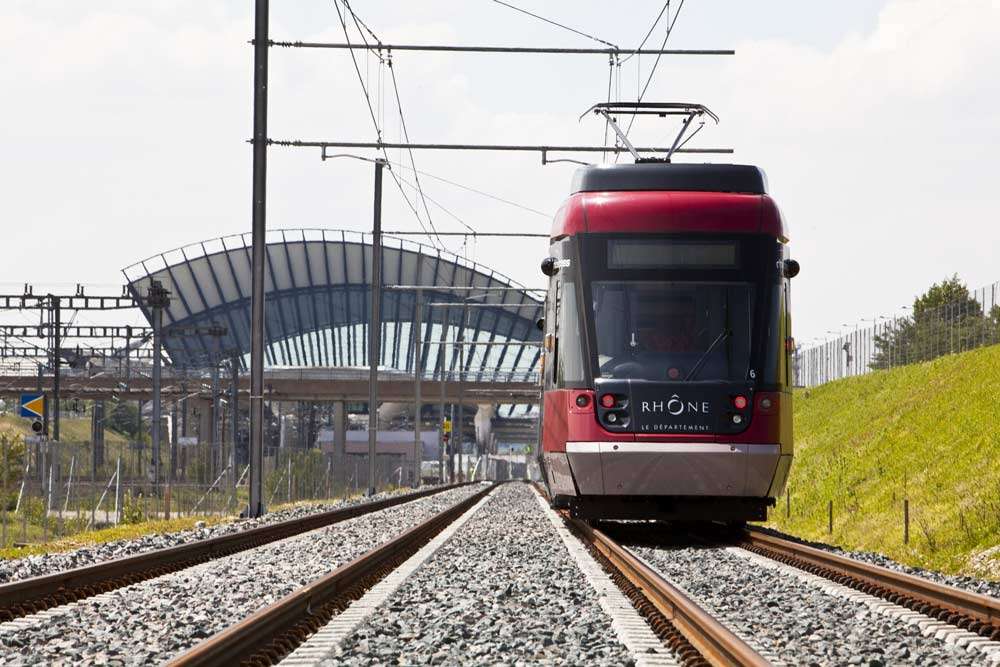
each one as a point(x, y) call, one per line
point(667, 373)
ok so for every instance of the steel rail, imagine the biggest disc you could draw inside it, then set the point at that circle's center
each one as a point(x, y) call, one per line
point(716, 643)
point(970, 611)
point(29, 596)
point(274, 631)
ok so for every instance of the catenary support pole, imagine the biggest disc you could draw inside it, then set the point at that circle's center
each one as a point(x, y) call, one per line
point(418, 448)
point(234, 420)
point(459, 427)
point(441, 355)
point(256, 506)
point(157, 299)
point(217, 462)
point(375, 326)
point(56, 364)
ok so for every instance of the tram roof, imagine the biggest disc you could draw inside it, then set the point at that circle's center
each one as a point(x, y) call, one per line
point(647, 176)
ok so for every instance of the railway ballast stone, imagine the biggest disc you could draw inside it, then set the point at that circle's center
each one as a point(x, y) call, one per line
point(151, 621)
point(37, 565)
point(794, 621)
point(502, 590)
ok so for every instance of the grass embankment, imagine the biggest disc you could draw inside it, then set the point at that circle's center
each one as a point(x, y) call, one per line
point(929, 433)
point(112, 534)
point(71, 429)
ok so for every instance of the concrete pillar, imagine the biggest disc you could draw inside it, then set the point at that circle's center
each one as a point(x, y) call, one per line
point(204, 412)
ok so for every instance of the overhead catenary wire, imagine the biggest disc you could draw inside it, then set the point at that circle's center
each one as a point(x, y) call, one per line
point(460, 186)
point(528, 235)
point(663, 10)
point(413, 164)
point(357, 69)
point(358, 23)
point(652, 71)
point(357, 20)
point(476, 191)
point(442, 207)
point(557, 24)
point(378, 130)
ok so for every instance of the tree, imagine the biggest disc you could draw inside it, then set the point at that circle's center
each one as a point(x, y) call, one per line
point(124, 419)
point(945, 319)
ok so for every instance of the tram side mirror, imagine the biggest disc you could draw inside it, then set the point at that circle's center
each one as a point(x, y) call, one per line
point(790, 268)
point(540, 324)
point(549, 266)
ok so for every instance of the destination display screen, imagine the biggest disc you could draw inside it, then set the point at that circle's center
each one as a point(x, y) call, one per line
point(668, 254)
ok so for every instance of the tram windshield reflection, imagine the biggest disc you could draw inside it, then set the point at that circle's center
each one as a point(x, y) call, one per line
point(662, 330)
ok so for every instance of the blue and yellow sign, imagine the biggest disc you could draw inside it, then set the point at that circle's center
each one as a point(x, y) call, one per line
point(33, 406)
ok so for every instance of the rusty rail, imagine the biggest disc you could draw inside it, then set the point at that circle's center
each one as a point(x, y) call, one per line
point(28, 596)
point(271, 633)
point(716, 644)
point(971, 611)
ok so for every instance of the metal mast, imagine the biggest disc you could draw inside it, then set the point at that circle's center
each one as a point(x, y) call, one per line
point(256, 506)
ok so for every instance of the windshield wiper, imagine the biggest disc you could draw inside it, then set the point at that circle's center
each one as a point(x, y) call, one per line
point(718, 339)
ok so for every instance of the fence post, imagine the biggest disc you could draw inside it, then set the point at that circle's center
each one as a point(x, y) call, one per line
point(48, 506)
point(830, 522)
point(69, 483)
point(3, 538)
point(118, 491)
point(906, 521)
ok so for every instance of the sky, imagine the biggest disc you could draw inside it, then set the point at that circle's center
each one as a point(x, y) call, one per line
point(124, 129)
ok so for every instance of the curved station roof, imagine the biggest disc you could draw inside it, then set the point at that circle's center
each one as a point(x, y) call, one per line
point(317, 310)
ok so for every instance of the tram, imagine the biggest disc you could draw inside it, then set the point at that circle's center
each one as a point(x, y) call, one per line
point(667, 345)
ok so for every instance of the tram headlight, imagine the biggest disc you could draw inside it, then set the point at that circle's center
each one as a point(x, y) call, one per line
point(739, 401)
point(737, 419)
point(608, 401)
point(582, 400)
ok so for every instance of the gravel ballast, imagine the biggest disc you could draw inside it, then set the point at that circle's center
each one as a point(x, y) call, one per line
point(502, 590)
point(34, 566)
point(794, 621)
point(153, 620)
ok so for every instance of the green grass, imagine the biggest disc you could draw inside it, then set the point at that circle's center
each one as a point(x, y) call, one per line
point(928, 433)
point(128, 531)
point(114, 533)
point(70, 429)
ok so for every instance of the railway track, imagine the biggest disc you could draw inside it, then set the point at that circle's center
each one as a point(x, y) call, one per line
point(975, 613)
point(275, 631)
point(664, 601)
point(693, 635)
point(961, 618)
point(690, 631)
point(29, 596)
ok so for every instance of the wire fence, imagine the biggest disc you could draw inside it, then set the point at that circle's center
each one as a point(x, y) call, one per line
point(920, 335)
point(52, 489)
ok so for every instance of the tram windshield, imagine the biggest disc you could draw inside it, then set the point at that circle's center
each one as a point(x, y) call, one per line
point(675, 331)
